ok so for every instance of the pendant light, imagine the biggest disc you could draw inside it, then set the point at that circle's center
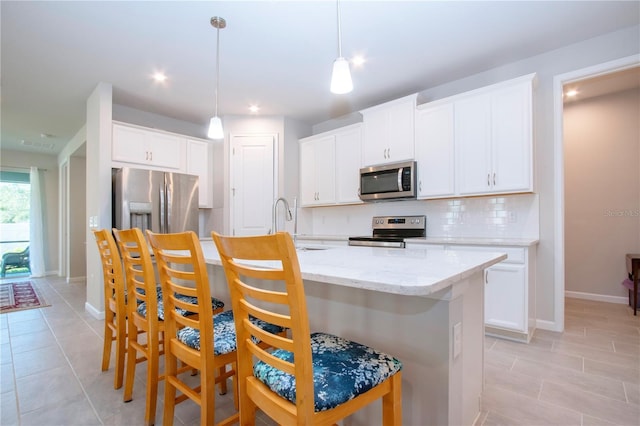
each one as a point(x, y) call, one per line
point(215, 124)
point(341, 78)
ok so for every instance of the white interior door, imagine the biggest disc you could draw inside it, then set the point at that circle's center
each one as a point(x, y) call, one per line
point(252, 184)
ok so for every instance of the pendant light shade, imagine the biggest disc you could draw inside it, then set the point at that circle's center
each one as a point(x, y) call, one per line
point(215, 124)
point(341, 77)
point(215, 128)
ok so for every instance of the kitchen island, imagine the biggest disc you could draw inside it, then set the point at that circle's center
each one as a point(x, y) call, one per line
point(423, 306)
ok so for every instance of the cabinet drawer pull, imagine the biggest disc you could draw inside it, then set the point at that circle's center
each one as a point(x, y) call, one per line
point(494, 179)
point(488, 179)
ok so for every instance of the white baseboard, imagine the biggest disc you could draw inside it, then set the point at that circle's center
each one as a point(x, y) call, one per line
point(93, 311)
point(597, 297)
point(76, 279)
point(547, 325)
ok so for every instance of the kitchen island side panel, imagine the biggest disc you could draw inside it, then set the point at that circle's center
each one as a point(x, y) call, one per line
point(437, 389)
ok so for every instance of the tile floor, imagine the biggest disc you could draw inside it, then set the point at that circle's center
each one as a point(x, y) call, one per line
point(588, 375)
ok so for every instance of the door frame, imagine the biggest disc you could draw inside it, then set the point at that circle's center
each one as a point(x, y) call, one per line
point(63, 261)
point(558, 110)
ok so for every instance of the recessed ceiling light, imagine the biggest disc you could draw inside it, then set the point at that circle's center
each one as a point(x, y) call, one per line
point(358, 60)
point(159, 77)
point(254, 108)
point(571, 93)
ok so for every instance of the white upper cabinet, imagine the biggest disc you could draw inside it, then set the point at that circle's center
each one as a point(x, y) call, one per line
point(494, 139)
point(389, 131)
point(198, 163)
point(152, 149)
point(330, 167)
point(435, 156)
point(147, 147)
point(348, 142)
point(317, 170)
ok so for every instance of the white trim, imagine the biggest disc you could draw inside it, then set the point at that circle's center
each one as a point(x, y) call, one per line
point(558, 246)
point(99, 315)
point(545, 325)
point(597, 297)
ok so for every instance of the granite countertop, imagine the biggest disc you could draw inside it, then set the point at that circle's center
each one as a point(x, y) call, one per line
point(418, 271)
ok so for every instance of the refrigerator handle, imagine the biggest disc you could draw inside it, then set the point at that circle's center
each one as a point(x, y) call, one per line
point(168, 210)
point(162, 211)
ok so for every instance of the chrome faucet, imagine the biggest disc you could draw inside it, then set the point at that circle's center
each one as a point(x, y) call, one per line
point(289, 217)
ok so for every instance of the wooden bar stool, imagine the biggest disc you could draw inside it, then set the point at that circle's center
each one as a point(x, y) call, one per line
point(115, 316)
point(146, 316)
point(309, 378)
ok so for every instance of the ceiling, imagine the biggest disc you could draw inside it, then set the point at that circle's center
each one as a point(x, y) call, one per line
point(276, 54)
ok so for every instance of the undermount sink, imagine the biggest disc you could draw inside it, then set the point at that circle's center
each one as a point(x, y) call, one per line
point(311, 248)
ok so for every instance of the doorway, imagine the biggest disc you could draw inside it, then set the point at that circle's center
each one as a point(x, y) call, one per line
point(560, 82)
point(253, 183)
point(15, 194)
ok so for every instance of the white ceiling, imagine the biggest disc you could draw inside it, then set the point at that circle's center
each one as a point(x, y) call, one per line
point(277, 54)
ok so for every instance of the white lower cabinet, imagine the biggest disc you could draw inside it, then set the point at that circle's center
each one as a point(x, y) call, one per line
point(505, 297)
point(509, 309)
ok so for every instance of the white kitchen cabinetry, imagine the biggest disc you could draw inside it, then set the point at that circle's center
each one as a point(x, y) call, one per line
point(389, 131)
point(198, 163)
point(509, 309)
point(348, 142)
point(330, 167)
point(435, 156)
point(317, 170)
point(494, 139)
point(147, 147)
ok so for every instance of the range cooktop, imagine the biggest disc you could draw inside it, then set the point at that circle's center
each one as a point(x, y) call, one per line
point(391, 231)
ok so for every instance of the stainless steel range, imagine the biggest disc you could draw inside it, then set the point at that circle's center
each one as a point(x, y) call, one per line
point(391, 231)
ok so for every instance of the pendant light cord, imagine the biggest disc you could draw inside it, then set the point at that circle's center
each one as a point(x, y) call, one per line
point(217, 66)
point(339, 31)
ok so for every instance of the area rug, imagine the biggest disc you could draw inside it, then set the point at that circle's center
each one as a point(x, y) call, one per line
point(19, 296)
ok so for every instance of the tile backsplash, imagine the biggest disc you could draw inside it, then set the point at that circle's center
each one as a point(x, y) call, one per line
point(504, 216)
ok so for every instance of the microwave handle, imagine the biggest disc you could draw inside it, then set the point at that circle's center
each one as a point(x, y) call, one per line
point(400, 179)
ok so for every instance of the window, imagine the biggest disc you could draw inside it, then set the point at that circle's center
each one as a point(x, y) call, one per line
point(15, 192)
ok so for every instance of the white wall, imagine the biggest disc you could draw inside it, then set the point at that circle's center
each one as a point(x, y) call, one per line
point(98, 192)
point(25, 160)
point(602, 191)
point(78, 220)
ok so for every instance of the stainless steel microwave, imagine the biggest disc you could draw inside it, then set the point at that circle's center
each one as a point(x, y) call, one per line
point(388, 182)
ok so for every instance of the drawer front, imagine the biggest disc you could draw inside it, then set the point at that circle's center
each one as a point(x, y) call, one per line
point(514, 254)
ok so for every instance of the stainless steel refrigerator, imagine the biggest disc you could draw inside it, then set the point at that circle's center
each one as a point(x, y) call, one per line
point(163, 202)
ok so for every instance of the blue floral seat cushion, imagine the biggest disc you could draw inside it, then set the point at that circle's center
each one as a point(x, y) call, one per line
point(342, 370)
point(224, 333)
point(142, 307)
